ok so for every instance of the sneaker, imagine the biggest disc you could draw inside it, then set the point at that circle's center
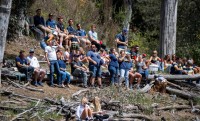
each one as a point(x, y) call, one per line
point(35, 83)
point(68, 86)
point(40, 84)
point(52, 85)
point(85, 86)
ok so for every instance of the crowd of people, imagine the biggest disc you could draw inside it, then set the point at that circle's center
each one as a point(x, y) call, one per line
point(87, 55)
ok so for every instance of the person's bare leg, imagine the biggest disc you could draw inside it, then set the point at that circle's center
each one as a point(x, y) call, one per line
point(99, 81)
point(90, 113)
point(131, 78)
point(61, 38)
point(92, 81)
point(42, 75)
point(36, 74)
point(84, 114)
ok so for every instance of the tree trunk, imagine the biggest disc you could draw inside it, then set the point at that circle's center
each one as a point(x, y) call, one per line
point(5, 8)
point(128, 8)
point(168, 27)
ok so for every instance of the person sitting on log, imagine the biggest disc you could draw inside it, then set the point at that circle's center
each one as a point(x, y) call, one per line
point(83, 57)
point(142, 68)
point(133, 76)
point(39, 22)
point(177, 67)
point(157, 60)
point(39, 73)
point(64, 75)
point(167, 63)
point(83, 111)
point(23, 67)
point(97, 111)
point(82, 36)
point(78, 69)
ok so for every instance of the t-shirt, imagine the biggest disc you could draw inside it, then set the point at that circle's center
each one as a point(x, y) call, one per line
point(114, 60)
point(62, 64)
point(61, 26)
point(38, 20)
point(93, 34)
point(66, 55)
point(81, 32)
point(22, 61)
point(33, 61)
point(51, 52)
point(79, 63)
point(94, 56)
point(51, 23)
point(80, 109)
point(71, 30)
point(121, 38)
point(139, 67)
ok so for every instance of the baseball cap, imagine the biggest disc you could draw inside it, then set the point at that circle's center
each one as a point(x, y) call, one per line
point(31, 50)
point(125, 30)
point(50, 14)
point(55, 33)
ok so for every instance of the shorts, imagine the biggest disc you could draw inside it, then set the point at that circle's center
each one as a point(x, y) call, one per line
point(96, 71)
point(74, 46)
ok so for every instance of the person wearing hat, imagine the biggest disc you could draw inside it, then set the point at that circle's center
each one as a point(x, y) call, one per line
point(38, 72)
point(78, 69)
point(22, 65)
point(39, 22)
point(50, 37)
point(51, 57)
point(121, 40)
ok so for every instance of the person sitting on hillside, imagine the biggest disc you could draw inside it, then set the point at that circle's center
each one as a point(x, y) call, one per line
point(95, 63)
point(121, 40)
point(124, 67)
point(39, 22)
point(135, 52)
point(113, 66)
point(173, 58)
point(51, 57)
point(97, 111)
point(142, 68)
point(67, 54)
point(167, 62)
point(81, 34)
point(78, 69)
point(104, 56)
point(157, 59)
point(70, 28)
point(23, 67)
point(93, 37)
point(51, 23)
point(177, 67)
point(134, 76)
point(64, 75)
point(83, 111)
point(39, 73)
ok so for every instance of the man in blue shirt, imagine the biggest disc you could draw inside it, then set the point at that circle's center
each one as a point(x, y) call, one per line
point(121, 40)
point(95, 63)
point(39, 22)
point(70, 28)
point(50, 23)
point(22, 65)
point(81, 34)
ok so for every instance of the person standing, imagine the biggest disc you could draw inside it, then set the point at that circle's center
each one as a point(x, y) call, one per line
point(95, 63)
point(22, 65)
point(121, 40)
point(38, 72)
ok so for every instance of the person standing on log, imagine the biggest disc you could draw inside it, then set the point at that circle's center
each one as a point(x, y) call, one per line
point(23, 67)
point(38, 72)
point(121, 40)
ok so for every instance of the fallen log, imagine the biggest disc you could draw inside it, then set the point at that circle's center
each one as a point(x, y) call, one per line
point(182, 93)
point(178, 107)
point(178, 77)
point(34, 89)
point(12, 108)
point(79, 92)
point(51, 101)
point(139, 116)
point(146, 88)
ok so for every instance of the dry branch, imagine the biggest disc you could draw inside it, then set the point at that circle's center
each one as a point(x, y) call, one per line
point(79, 92)
point(178, 77)
point(178, 107)
point(139, 116)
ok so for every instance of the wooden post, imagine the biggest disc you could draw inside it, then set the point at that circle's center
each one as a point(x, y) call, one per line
point(168, 27)
point(5, 8)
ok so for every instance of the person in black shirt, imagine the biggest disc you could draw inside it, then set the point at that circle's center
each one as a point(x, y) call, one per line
point(79, 69)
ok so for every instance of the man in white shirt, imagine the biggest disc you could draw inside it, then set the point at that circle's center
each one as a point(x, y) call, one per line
point(51, 57)
point(38, 72)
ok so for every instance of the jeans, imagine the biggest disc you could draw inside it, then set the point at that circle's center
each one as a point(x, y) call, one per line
point(54, 65)
point(125, 73)
point(28, 71)
point(113, 73)
point(65, 77)
point(80, 73)
point(43, 44)
point(145, 73)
